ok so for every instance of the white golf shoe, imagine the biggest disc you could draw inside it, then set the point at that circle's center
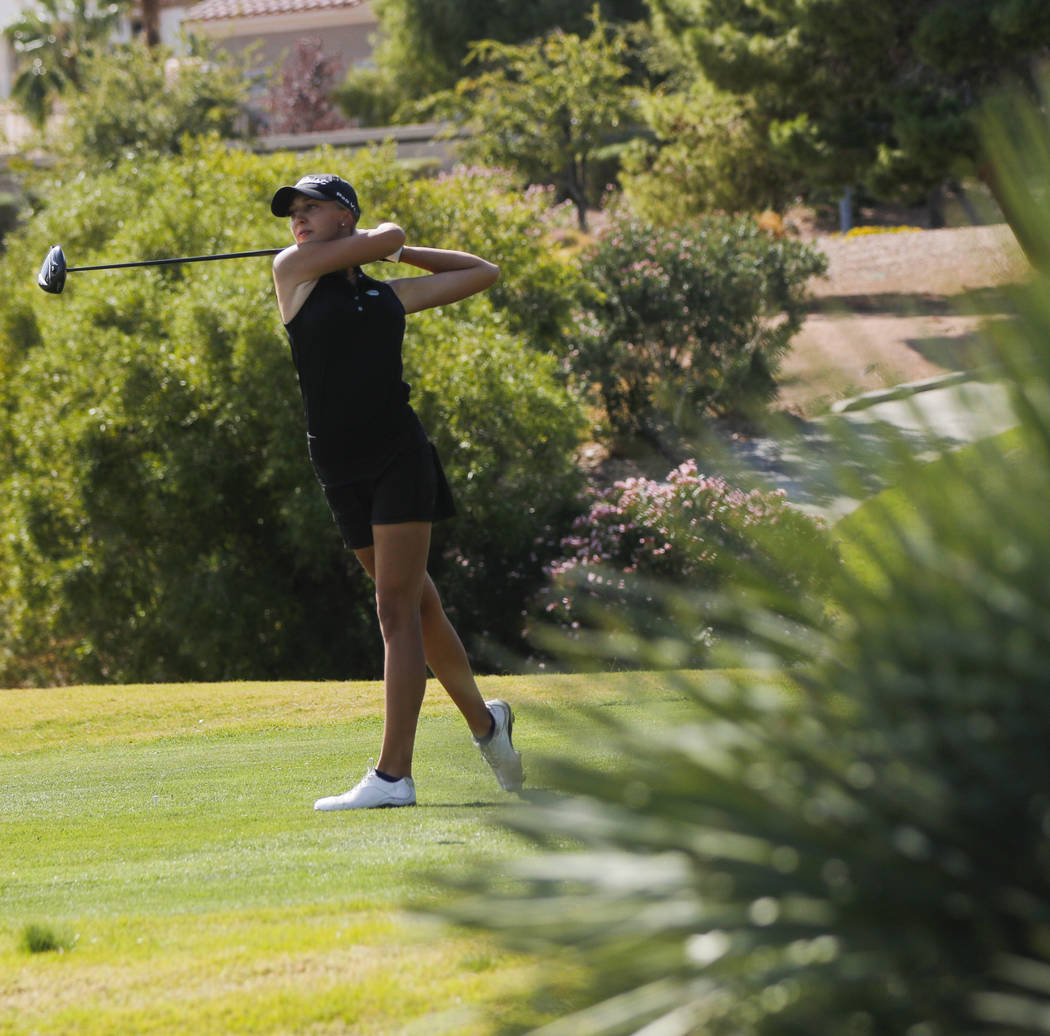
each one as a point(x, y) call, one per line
point(372, 792)
point(498, 749)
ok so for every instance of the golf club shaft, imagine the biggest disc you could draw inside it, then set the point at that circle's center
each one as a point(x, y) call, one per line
point(168, 262)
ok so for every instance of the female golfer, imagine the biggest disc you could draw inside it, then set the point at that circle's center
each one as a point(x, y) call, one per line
point(382, 477)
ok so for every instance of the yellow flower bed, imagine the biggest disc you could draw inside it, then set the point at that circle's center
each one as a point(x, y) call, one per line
point(861, 231)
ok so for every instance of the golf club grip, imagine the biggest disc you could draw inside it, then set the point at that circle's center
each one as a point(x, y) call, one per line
point(169, 262)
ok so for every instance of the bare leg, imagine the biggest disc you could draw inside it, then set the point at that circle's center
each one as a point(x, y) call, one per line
point(449, 663)
point(399, 560)
point(444, 654)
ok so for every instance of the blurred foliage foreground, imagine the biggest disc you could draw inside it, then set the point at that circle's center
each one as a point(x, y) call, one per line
point(873, 855)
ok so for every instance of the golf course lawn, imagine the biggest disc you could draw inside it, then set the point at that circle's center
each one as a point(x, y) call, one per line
point(160, 852)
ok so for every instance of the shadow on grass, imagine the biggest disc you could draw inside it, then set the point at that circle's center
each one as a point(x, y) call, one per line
point(959, 352)
point(977, 302)
point(533, 796)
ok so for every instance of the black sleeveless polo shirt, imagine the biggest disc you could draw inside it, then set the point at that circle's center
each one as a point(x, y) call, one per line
point(346, 344)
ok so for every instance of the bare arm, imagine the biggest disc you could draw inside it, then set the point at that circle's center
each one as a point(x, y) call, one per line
point(452, 276)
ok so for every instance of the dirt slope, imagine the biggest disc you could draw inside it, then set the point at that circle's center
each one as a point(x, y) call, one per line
point(896, 307)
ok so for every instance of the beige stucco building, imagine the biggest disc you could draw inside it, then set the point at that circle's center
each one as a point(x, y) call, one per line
point(345, 27)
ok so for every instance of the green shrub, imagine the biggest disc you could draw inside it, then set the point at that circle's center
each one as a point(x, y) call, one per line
point(689, 320)
point(38, 937)
point(706, 151)
point(144, 100)
point(9, 210)
point(158, 515)
point(368, 97)
point(486, 212)
point(508, 431)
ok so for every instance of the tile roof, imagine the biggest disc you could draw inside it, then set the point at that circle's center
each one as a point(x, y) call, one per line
point(213, 10)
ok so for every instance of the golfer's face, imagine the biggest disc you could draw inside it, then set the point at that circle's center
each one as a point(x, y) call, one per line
point(313, 220)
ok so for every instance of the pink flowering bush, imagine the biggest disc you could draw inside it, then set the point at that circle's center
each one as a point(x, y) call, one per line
point(691, 319)
point(300, 99)
point(694, 532)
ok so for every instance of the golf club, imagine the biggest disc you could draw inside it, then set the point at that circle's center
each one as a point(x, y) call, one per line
point(52, 276)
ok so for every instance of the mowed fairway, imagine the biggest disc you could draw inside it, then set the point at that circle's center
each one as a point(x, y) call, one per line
point(166, 835)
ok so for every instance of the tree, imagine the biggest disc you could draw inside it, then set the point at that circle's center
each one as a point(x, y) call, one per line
point(424, 43)
point(546, 109)
point(880, 93)
point(151, 22)
point(145, 100)
point(54, 39)
point(301, 100)
point(704, 150)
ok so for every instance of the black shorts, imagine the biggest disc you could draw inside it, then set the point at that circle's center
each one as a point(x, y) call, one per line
point(411, 488)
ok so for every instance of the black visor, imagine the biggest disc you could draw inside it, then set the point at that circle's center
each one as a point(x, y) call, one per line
point(323, 187)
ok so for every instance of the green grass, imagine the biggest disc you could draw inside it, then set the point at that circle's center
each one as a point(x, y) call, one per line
point(159, 851)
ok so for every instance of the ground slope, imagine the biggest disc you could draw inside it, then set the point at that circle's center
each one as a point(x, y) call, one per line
point(894, 308)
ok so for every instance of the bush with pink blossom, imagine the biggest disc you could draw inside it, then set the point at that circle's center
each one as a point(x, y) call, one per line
point(639, 538)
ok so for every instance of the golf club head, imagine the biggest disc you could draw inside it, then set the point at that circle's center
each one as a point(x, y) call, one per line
point(52, 276)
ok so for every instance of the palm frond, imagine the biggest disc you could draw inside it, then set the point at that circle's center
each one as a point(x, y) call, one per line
point(871, 852)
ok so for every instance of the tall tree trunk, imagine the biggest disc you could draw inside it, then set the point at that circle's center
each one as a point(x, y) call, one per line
point(960, 195)
point(935, 207)
point(574, 188)
point(846, 211)
point(151, 22)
